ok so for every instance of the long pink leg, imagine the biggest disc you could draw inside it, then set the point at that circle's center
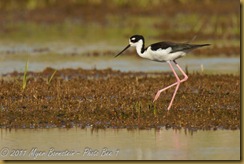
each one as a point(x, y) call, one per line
point(176, 83)
point(177, 87)
point(185, 76)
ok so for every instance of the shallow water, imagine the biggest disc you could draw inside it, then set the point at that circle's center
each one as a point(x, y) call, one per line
point(112, 144)
point(124, 63)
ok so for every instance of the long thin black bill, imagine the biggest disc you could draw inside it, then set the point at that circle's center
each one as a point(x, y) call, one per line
point(122, 51)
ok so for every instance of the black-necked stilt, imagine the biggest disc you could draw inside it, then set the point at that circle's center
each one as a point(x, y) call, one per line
point(163, 52)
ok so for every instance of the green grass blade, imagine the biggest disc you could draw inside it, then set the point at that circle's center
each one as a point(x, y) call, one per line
point(155, 112)
point(25, 75)
point(50, 79)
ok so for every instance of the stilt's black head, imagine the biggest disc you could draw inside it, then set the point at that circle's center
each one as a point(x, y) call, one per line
point(136, 38)
point(134, 41)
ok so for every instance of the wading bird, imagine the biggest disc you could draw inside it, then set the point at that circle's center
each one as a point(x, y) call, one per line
point(163, 52)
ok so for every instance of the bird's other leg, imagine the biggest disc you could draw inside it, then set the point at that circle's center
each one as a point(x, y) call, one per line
point(160, 91)
point(185, 76)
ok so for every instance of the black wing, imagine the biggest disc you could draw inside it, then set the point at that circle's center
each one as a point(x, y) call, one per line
point(176, 46)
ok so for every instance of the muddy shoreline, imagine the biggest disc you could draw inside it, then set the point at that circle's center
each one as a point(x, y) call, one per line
point(103, 99)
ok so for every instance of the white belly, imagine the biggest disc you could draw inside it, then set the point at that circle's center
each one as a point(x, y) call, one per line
point(162, 55)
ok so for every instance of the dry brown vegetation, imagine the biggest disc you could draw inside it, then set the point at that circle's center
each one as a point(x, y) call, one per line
point(113, 99)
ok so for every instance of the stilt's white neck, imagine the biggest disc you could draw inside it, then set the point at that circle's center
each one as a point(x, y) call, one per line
point(141, 51)
point(140, 48)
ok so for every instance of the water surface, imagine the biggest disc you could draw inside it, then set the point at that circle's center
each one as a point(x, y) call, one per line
point(124, 63)
point(112, 144)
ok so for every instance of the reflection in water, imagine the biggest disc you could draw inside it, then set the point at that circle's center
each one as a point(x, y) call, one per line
point(85, 144)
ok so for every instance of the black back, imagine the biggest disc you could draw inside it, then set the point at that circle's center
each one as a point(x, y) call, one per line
point(176, 46)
